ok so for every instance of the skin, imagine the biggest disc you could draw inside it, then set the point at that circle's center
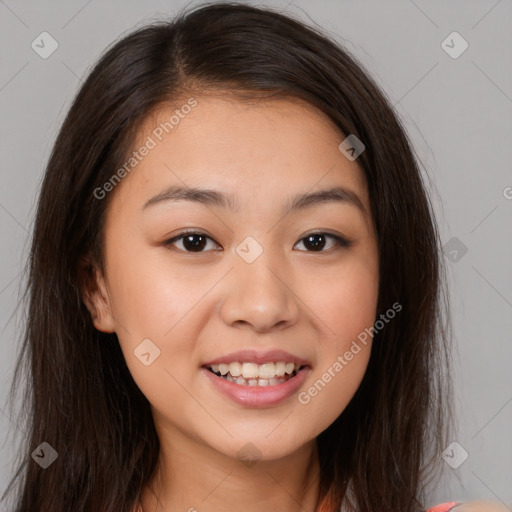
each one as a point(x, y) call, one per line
point(482, 506)
point(199, 306)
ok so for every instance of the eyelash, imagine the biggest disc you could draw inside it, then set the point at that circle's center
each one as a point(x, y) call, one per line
point(342, 242)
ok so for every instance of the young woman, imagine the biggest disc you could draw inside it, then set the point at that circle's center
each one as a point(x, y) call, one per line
point(235, 291)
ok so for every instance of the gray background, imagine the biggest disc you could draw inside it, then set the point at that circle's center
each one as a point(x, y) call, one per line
point(457, 112)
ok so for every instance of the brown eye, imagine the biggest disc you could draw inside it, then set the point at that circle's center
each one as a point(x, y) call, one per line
point(316, 242)
point(191, 241)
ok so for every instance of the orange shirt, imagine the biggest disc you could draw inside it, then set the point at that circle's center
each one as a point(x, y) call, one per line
point(444, 507)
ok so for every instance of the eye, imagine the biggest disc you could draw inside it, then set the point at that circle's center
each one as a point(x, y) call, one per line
point(192, 241)
point(195, 241)
point(317, 241)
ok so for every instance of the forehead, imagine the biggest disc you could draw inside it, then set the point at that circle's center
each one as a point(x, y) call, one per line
point(268, 147)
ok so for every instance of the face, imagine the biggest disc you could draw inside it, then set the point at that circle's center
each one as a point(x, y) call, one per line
point(262, 283)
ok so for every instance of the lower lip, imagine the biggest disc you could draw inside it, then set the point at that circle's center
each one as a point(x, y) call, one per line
point(257, 396)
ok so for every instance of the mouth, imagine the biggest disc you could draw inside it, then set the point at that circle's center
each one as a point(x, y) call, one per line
point(257, 375)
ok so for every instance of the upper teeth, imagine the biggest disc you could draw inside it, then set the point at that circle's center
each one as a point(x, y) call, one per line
point(254, 371)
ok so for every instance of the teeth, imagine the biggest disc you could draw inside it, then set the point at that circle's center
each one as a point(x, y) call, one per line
point(235, 369)
point(252, 374)
point(289, 368)
point(267, 371)
point(250, 370)
point(280, 369)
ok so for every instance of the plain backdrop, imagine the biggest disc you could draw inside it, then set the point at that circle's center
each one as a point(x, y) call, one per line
point(455, 106)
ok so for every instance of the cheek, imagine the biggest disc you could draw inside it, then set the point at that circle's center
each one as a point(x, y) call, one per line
point(333, 386)
point(153, 301)
point(150, 296)
point(155, 304)
point(344, 301)
point(343, 356)
point(346, 309)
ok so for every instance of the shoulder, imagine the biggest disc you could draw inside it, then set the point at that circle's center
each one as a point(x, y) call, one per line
point(480, 506)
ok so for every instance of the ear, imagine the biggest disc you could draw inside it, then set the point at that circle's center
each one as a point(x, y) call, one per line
point(95, 295)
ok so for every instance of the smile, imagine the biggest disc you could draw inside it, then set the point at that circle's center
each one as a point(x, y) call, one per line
point(252, 374)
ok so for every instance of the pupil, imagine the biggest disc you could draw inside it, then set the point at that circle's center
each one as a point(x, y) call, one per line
point(316, 245)
point(189, 244)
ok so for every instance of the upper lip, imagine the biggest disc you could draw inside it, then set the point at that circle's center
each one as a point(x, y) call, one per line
point(258, 357)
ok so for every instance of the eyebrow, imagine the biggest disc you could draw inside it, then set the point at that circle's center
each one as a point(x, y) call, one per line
point(226, 201)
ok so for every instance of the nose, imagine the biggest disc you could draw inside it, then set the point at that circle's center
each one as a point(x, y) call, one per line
point(259, 296)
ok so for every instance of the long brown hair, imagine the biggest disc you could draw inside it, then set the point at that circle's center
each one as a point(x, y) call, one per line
point(80, 397)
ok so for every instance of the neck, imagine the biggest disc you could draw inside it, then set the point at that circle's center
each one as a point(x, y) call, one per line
point(194, 477)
